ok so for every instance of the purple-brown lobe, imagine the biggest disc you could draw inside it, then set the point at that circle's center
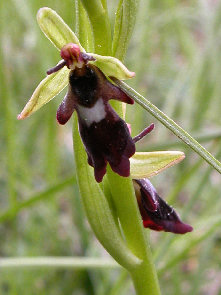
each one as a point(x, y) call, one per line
point(65, 109)
point(105, 136)
point(163, 217)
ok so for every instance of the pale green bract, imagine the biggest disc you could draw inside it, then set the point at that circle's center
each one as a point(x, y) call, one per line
point(145, 165)
point(59, 33)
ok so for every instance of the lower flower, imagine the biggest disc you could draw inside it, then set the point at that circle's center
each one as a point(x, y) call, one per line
point(156, 213)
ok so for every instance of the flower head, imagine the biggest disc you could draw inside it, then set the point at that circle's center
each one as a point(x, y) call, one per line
point(155, 212)
point(105, 135)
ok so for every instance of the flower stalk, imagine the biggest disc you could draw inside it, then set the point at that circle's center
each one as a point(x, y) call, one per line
point(144, 276)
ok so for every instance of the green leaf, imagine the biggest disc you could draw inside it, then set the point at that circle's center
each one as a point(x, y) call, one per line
point(124, 26)
point(46, 90)
point(55, 29)
point(100, 26)
point(117, 28)
point(145, 165)
point(83, 27)
point(112, 67)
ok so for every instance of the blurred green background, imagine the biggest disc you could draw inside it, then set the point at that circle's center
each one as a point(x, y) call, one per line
point(176, 54)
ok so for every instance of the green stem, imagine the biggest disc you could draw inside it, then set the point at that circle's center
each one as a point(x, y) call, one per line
point(207, 137)
point(144, 283)
point(170, 124)
point(144, 276)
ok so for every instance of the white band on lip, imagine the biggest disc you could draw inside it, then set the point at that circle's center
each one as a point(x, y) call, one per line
point(93, 114)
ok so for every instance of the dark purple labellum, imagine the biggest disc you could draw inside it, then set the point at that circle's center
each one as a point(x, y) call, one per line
point(155, 212)
point(105, 135)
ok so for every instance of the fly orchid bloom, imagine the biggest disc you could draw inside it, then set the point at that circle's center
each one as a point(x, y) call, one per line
point(155, 212)
point(105, 135)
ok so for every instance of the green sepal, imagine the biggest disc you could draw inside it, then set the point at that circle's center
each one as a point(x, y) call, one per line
point(55, 29)
point(46, 90)
point(147, 164)
point(112, 67)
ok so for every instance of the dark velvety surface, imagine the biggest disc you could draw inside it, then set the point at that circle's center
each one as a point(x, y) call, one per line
point(84, 85)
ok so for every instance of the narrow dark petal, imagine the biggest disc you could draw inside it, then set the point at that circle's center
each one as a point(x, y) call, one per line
point(86, 57)
point(122, 168)
point(100, 165)
point(164, 218)
point(113, 92)
point(66, 108)
point(55, 69)
point(143, 133)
